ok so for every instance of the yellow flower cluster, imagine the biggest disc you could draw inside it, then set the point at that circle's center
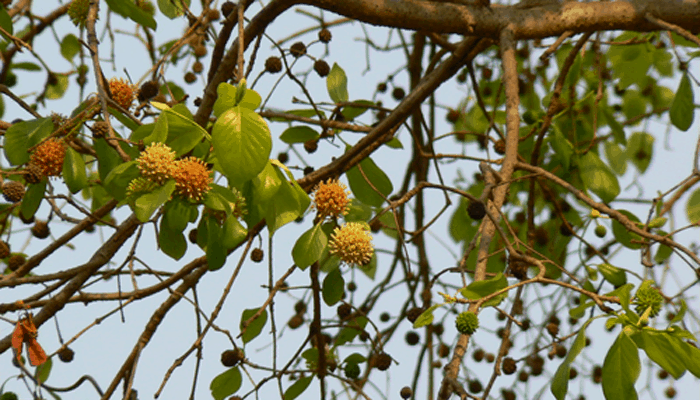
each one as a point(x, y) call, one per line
point(331, 199)
point(157, 162)
point(352, 242)
point(48, 157)
point(192, 178)
point(122, 92)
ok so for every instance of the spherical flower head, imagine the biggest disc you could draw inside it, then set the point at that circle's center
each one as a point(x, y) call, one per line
point(352, 242)
point(331, 199)
point(78, 12)
point(467, 322)
point(648, 297)
point(122, 92)
point(48, 156)
point(156, 163)
point(192, 178)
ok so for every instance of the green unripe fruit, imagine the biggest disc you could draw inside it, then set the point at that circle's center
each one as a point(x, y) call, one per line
point(78, 12)
point(648, 297)
point(600, 231)
point(467, 322)
point(352, 370)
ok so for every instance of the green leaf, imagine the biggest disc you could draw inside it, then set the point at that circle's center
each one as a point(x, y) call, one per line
point(309, 247)
point(227, 97)
point(255, 326)
point(216, 253)
point(226, 384)
point(682, 109)
point(20, 137)
point(147, 204)
point(617, 130)
point(177, 213)
point(351, 330)
point(173, 8)
point(159, 133)
point(362, 189)
point(233, 233)
point(355, 358)
point(43, 371)
point(357, 109)
point(299, 134)
point(624, 294)
point(333, 287)
point(74, 171)
point(692, 208)
point(663, 349)
point(32, 199)
point(267, 183)
point(640, 149)
point(479, 289)
point(426, 317)
point(128, 9)
point(6, 22)
point(119, 178)
point(621, 369)
point(171, 242)
point(598, 177)
point(560, 381)
point(26, 66)
point(337, 84)
point(183, 133)
point(242, 144)
point(298, 387)
point(563, 149)
point(287, 205)
point(58, 89)
point(107, 157)
point(394, 143)
point(622, 235)
point(616, 276)
point(617, 158)
point(70, 46)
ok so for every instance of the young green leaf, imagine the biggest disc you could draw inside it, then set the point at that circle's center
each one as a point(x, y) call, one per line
point(333, 287)
point(299, 134)
point(32, 199)
point(598, 177)
point(255, 326)
point(479, 289)
point(358, 177)
point(74, 171)
point(242, 144)
point(614, 275)
point(560, 382)
point(173, 9)
point(692, 208)
point(297, 388)
point(337, 84)
point(171, 242)
point(226, 384)
point(309, 247)
point(682, 110)
point(426, 317)
point(147, 204)
point(621, 369)
point(129, 9)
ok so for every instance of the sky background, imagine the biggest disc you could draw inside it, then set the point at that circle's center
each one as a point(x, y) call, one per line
point(102, 349)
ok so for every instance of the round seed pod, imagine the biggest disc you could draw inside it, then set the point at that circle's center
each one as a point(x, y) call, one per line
point(66, 355)
point(273, 65)
point(383, 361)
point(257, 255)
point(15, 261)
point(148, 91)
point(476, 210)
point(100, 129)
point(324, 35)
point(298, 49)
point(509, 366)
point(321, 67)
point(406, 392)
point(344, 310)
point(41, 230)
point(231, 358)
point(13, 191)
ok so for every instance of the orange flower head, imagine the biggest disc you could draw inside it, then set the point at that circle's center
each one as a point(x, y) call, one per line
point(192, 178)
point(352, 242)
point(156, 163)
point(122, 92)
point(331, 198)
point(48, 156)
